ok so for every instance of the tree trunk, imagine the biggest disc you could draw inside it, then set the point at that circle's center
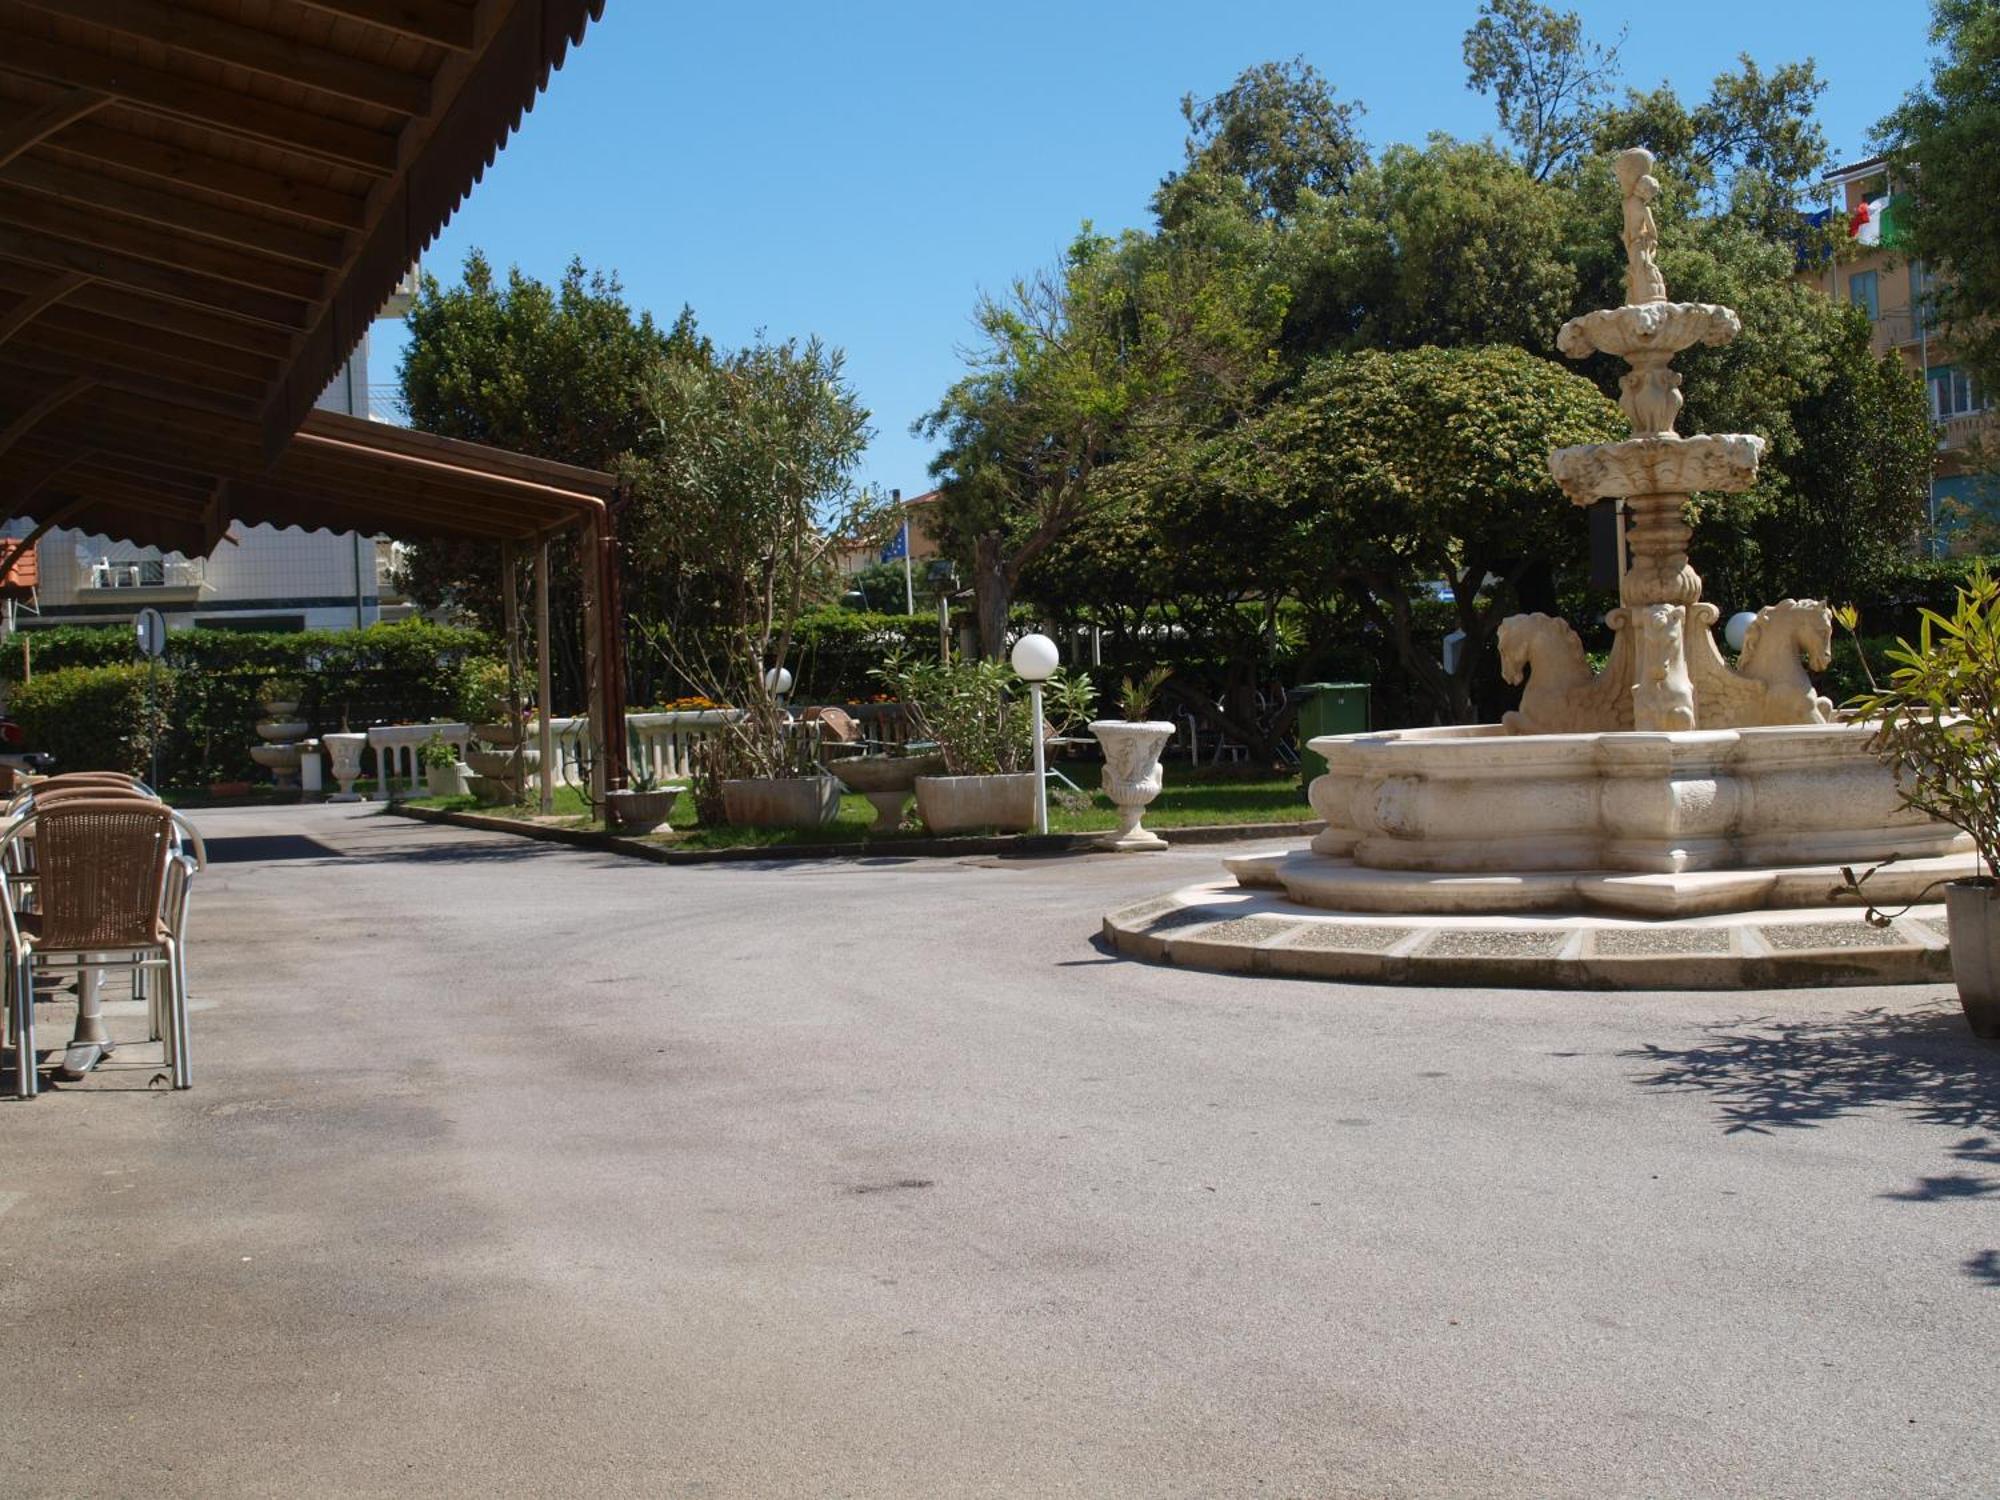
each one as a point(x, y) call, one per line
point(992, 593)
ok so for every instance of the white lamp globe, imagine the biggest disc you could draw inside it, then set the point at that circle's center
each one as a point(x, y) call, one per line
point(1035, 657)
point(1737, 628)
point(777, 682)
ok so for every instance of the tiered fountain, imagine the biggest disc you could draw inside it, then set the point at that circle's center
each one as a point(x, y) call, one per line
point(282, 733)
point(1670, 820)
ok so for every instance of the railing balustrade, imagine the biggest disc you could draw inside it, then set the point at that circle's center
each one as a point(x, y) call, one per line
point(396, 748)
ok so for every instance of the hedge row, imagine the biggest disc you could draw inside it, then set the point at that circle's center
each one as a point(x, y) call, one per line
point(71, 704)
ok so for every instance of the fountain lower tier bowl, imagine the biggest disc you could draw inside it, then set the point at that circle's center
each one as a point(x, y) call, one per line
point(277, 758)
point(1475, 818)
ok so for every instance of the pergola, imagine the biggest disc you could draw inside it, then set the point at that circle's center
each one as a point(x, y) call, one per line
point(203, 205)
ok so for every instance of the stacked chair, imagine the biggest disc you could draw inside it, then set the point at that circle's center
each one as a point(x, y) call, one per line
point(95, 873)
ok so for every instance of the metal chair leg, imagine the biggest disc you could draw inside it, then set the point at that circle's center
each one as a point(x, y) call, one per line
point(176, 985)
point(25, 1081)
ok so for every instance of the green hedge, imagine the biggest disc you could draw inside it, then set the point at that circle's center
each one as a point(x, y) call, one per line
point(834, 651)
point(385, 674)
point(96, 718)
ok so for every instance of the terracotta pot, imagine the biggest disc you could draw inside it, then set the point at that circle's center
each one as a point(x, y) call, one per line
point(1132, 776)
point(1973, 907)
point(957, 804)
point(781, 801)
point(639, 812)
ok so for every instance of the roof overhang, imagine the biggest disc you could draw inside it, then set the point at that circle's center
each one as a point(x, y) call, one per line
point(202, 207)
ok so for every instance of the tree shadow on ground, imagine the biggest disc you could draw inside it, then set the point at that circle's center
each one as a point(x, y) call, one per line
point(1767, 1076)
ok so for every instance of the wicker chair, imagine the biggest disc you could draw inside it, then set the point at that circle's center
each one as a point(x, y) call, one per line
point(112, 879)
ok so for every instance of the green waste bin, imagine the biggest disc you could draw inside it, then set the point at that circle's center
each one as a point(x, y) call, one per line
point(1328, 708)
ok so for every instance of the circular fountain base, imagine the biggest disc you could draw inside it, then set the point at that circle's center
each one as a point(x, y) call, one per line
point(1701, 859)
point(1250, 930)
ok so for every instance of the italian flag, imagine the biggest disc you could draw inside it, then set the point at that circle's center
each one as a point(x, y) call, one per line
point(1874, 222)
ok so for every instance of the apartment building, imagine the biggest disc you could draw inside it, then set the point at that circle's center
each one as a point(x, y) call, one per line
point(1881, 279)
point(263, 579)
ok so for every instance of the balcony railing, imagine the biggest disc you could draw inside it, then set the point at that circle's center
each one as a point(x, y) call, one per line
point(1965, 430)
point(144, 573)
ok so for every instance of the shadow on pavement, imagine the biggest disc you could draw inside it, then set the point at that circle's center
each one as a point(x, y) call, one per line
point(1766, 1076)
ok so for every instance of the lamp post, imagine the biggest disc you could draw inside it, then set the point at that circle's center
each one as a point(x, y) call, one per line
point(778, 682)
point(1035, 659)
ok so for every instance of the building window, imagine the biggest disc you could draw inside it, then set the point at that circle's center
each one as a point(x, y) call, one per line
point(1862, 292)
point(1953, 393)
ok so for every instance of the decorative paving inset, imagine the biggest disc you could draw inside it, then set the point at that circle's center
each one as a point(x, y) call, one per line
point(1792, 936)
point(1356, 936)
point(1634, 942)
point(1186, 916)
point(1144, 909)
point(1248, 930)
point(1487, 942)
point(1940, 925)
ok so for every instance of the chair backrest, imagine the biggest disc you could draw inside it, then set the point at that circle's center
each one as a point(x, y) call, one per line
point(102, 865)
point(837, 724)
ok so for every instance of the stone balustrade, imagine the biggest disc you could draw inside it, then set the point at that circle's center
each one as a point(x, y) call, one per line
point(662, 743)
point(396, 748)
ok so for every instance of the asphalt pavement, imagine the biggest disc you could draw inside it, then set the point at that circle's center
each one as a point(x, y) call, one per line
point(513, 1169)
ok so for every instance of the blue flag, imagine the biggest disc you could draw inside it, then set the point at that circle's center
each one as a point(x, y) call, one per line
point(900, 547)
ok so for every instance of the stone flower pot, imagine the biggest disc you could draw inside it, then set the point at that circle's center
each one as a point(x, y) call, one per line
point(630, 811)
point(498, 765)
point(1132, 776)
point(344, 749)
point(957, 804)
point(781, 801)
point(447, 780)
point(1973, 907)
point(503, 735)
point(887, 781)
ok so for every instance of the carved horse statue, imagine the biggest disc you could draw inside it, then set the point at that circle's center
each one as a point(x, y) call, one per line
point(1663, 695)
point(1785, 639)
point(1563, 696)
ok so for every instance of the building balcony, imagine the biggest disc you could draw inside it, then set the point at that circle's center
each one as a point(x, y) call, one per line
point(1970, 429)
point(143, 581)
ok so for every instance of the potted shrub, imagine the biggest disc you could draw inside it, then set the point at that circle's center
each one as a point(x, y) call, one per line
point(280, 696)
point(1938, 726)
point(976, 714)
point(762, 772)
point(643, 807)
point(1132, 774)
point(442, 777)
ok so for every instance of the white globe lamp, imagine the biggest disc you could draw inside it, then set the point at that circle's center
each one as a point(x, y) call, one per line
point(777, 682)
point(1035, 659)
point(1738, 628)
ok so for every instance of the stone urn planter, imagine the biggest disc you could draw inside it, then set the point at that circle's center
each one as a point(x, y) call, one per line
point(1973, 909)
point(630, 811)
point(493, 776)
point(781, 801)
point(446, 780)
point(1132, 776)
point(958, 804)
point(887, 781)
point(344, 750)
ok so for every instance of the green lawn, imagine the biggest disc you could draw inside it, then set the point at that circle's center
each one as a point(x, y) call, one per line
point(1190, 798)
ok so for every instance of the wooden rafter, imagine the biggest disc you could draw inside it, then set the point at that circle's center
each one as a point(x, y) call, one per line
point(92, 141)
point(296, 131)
point(436, 21)
point(36, 303)
point(149, 276)
point(258, 51)
point(28, 420)
point(132, 309)
point(94, 190)
point(38, 124)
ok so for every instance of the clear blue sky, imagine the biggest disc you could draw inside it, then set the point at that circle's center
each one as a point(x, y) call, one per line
point(862, 172)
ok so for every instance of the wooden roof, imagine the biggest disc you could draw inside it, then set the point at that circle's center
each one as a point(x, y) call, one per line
point(203, 204)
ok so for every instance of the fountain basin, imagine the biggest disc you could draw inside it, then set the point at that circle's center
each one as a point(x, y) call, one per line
point(1478, 798)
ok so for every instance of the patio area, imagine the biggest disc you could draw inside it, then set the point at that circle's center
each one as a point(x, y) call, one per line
point(516, 1168)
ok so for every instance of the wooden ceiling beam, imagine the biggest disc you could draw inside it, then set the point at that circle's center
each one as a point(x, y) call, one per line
point(95, 190)
point(28, 131)
point(51, 252)
point(104, 373)
point(258, 51)
point(435, 21)
point(26, 476)
point(170, 248)
point(83, 323)
point(296, 131)
point(134, 310)
point(116, 353)
point(99, 141)
point(35, 303)
point(27, 421)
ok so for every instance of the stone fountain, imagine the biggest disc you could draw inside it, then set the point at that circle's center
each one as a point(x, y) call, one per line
point(1673, 819)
